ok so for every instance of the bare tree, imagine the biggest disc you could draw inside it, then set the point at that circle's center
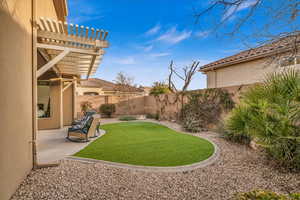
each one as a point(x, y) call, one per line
point(277, 15)
point(124, 79)
point(186, 74)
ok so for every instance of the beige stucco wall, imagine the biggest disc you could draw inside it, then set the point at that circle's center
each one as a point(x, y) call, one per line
point(61, 111)
point(240, 74)
point(55, 102)
point(16, 94)
point(68, 106)
point(46, 9)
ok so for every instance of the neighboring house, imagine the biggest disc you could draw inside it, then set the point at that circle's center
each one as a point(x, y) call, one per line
point(95, 86)
point(98, 92)
point(43, 58)
point(251, 66)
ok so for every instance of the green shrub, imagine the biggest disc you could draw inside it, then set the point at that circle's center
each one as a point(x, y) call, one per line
point(159, 88)
point(237, 124)
point(265, 195)
point(107, 109)
point(152, 116)
point(127, 118)
point(204, 108)
point(286, 151)
point(270, 112)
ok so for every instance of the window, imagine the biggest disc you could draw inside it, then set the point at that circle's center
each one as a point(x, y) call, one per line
point(44, 100)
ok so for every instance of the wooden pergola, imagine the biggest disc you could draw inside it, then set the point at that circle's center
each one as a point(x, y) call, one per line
point(68, 48)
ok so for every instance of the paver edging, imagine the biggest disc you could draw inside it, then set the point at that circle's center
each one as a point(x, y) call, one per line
point(213, 158)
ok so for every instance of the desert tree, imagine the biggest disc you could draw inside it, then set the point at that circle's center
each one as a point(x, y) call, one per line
point(124, 79)
point(185, 74)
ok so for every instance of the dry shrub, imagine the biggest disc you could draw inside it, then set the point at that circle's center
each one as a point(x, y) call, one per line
point(204, 108)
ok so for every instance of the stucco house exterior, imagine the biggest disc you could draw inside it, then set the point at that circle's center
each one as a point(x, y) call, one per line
point(43, 59)
point(251, 66)
point(98, 92)
point(96, 86)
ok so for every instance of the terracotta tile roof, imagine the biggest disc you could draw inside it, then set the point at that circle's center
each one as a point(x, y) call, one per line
point(279, 46)
point(127, 88)
point(108, 86)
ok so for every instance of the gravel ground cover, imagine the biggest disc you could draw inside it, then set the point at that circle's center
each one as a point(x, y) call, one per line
point(238, 169)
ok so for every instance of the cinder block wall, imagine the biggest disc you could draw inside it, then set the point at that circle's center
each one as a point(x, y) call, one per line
point(168, 106)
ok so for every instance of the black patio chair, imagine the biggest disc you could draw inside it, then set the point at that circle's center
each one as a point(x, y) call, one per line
point(80, 131)
point(85, 117)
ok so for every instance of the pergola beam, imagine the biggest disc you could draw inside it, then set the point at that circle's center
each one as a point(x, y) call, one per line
point(51, 63)
point(73, 50)
point(85, 46)
point(44, 54)
point(62, 64)
point(93, 61)
point(47, 58)
point(68, 38)
point(75, 62)
point(67, 86)
point(91, 67)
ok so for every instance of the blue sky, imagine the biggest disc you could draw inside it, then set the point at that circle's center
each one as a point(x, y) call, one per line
point(145, 35)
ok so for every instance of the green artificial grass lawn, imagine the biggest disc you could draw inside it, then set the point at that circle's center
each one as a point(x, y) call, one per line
point(148, 144)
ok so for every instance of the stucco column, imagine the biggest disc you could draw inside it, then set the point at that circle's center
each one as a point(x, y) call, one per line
point(61, 113)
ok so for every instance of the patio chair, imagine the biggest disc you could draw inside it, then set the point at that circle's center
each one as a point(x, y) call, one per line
point(82, 133)
point(85, 117)
point(94, 126)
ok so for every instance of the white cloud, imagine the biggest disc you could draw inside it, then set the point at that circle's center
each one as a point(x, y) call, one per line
point(144, 47)
point(148, 48)
point(172, 36)
point(160, 54)
point(153, 30)
point(202, 34)
point(234, 9)
point(125, 61)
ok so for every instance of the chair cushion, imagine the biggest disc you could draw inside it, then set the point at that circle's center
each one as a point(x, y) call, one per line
point(87, 125)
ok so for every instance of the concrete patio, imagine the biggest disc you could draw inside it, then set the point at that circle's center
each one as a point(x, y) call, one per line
point(53, 146)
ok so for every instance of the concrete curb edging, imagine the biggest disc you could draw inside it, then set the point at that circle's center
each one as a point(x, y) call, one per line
point(214, 157)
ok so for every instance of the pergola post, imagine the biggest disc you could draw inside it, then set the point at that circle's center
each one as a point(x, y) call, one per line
point(74, 98)
point(61, 101)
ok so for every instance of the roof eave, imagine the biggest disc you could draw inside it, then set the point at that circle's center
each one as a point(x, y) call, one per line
point(226, 64)
point(61, 7)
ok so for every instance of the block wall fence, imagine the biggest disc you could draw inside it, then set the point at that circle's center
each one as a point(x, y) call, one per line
point(167, 106)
